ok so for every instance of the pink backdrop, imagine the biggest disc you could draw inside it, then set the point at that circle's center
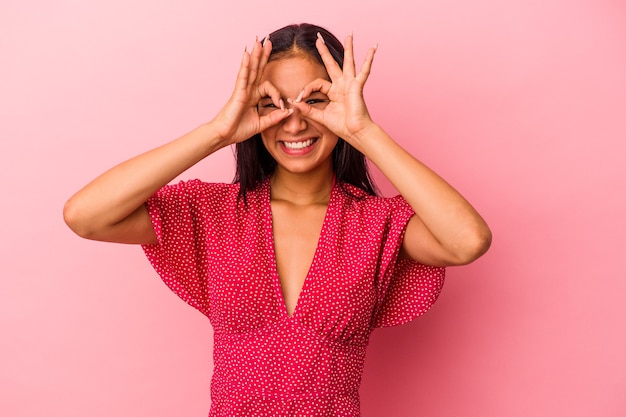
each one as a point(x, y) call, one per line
point(520, 104)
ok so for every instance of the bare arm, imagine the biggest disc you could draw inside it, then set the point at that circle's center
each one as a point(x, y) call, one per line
point(111, 207)
point(446, 229)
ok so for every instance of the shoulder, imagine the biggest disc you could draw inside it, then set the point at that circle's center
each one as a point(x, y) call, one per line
point(199, 189)
point(357, 199)
point(194, 197)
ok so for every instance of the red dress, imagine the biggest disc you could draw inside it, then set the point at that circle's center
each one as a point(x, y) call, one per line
point(218, 256)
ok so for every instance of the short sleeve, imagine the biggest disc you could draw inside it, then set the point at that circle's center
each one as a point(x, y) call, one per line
point(184, 216)
point(407, 289)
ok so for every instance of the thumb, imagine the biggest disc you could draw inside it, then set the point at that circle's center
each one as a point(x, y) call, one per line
point(273, 118)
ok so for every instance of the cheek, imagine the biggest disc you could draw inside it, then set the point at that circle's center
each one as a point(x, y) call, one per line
point(323, 131)
point(268, 141)
point(331, 138)
point(267, 134)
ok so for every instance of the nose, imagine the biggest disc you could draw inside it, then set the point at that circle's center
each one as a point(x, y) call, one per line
point(294, 122)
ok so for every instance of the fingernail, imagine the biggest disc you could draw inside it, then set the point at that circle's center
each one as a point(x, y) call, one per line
point(320, 37)
point(299, 96)
point(267, 38)
point(282, 104)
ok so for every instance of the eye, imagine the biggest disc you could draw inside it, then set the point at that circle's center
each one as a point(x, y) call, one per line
point(317, 102)
point(265, 107)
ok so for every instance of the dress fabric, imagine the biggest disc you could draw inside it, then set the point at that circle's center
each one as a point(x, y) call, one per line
point(217, 254)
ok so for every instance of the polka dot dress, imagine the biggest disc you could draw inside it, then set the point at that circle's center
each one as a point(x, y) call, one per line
point(217, 254)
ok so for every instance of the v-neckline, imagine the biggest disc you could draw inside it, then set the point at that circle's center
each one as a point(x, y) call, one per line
point(269, 228)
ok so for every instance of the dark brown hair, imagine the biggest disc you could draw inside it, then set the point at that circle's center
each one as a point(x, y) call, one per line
point(254, 162)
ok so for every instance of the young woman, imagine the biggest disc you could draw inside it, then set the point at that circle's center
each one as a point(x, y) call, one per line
point(298, 260)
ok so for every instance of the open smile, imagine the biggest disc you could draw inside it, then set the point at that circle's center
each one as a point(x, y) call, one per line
point(298, 147)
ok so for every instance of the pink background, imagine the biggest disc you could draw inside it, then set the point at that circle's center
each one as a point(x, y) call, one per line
point(520, 104)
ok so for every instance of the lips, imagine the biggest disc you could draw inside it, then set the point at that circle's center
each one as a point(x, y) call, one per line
point(300, 146)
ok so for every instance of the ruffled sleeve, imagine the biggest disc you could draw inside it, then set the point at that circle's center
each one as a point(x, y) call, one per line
point(184, 218)
point(407, 289)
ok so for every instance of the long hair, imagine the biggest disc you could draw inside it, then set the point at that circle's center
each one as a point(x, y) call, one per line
point(254, 162)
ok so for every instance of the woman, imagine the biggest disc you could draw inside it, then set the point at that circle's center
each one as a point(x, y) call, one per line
point(297, 261)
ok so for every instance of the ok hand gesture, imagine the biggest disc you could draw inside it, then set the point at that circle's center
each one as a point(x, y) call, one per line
point(239, 120)
point(346, 114)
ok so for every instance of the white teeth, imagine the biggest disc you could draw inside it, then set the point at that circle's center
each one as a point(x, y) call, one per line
point(298, 145)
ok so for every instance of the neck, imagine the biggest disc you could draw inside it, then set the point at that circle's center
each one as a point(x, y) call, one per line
point(301, 189)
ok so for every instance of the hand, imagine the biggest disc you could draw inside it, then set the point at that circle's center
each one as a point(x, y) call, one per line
point(346, 114)
point(239, 120)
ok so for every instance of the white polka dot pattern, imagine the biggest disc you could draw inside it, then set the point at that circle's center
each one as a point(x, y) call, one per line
point(218, 256)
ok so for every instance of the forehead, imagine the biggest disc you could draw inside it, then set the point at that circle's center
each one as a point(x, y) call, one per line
point(293, 72)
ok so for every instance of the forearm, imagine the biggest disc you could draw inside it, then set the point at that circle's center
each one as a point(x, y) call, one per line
point(116, 194)
point(455, 225)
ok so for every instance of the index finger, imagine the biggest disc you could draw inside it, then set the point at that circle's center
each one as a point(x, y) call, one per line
point(319, 84)
point(267, 89)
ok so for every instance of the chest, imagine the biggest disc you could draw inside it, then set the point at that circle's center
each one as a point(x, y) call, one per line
point(316, 264)
point(296, 235)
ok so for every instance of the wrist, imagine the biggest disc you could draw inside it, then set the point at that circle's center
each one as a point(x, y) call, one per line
point(214, 133)
point(363, 136)
point(210, 138)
